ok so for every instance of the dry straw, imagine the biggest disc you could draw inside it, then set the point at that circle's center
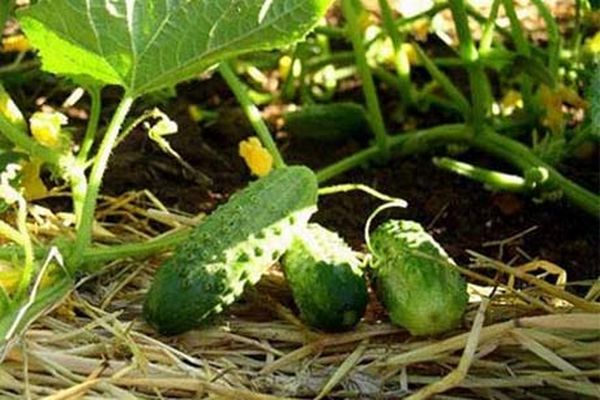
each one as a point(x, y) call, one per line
point(523, 338)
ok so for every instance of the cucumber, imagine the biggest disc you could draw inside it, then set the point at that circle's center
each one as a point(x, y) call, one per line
point(421, 292)
point(326, 279)
point(328, 122)
point(232, 247)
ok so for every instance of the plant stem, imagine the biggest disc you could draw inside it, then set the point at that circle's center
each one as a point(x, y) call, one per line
point(92, 125)
point(493, 179)
point(440, 77)
point(515, 153)
point(480, 86)
point(117, 252)
point(553, 38)
point(373, 108)
point(28, 265)
point(252, 112)
point(522, 47)
point(404, 144)
point(84, 228)
point(487, 36)
point(521, 156)
point(77, 178)
point(401, 62)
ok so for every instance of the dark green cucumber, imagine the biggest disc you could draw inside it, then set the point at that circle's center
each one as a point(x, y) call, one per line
point(232, 247)
point(328, 122)
point(326, 279)
point(421, 292)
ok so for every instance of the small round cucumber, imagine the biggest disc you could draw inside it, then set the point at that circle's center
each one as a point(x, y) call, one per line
point(327, 282)
point(421, 292)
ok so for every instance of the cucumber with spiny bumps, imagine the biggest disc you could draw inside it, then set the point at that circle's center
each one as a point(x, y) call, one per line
point(230, 248)
point(326, 279)
point(414, 279)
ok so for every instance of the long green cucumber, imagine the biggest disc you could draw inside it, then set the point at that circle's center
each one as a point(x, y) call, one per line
point(232, 247)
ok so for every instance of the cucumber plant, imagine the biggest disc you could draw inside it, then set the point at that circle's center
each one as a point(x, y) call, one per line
point(544, 90)
point(130, 45)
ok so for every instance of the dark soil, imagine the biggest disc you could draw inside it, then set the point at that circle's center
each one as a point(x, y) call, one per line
point(461, 214)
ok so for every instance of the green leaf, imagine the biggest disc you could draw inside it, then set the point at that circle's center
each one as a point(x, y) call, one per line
point(145, 45)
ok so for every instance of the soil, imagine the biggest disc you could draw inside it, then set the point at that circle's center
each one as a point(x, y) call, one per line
point(460, 214)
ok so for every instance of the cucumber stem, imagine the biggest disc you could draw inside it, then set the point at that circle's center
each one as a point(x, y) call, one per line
point(350, 10)
point(493, 179)
point(84, 228)
point(478, 81)
point(252, 112)
point(92, 125)
point(522, 48)
point(401, 62)
point(500, 146)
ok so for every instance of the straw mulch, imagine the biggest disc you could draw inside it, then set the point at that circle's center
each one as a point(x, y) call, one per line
point(522, 338)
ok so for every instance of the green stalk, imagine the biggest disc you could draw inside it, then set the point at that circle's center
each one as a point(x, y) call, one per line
point(364, 71)
point(553, 38)
point(252, 112)
point(509, 150)
point(440, 77)
point(118, 252)
point(522, 157)
point(493, 179)
point(522, 47)
point(28, 144)
point(84, 228)
point(487, 36)
point(478, 81)
point(92, 125)
point(77, 178)
point(28, 266)
point(401, 62)
point(404, 144)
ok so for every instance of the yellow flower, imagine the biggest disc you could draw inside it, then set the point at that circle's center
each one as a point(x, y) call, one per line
point(31, 182)
point(46, 128)
point(592, 45)
point(511, 101)
point(15, 44)
point(553, 100)
point(257, 158)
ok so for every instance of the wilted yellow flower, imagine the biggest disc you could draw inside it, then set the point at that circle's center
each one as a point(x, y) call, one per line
point(31, 182)
point(46, 128)
point(552, 101)
point(15, 44)
point(9, 109)
point(511, 101)
point(420, 29)
point(257, 158)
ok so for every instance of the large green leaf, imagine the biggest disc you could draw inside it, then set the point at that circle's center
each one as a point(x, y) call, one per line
point(144, 45)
